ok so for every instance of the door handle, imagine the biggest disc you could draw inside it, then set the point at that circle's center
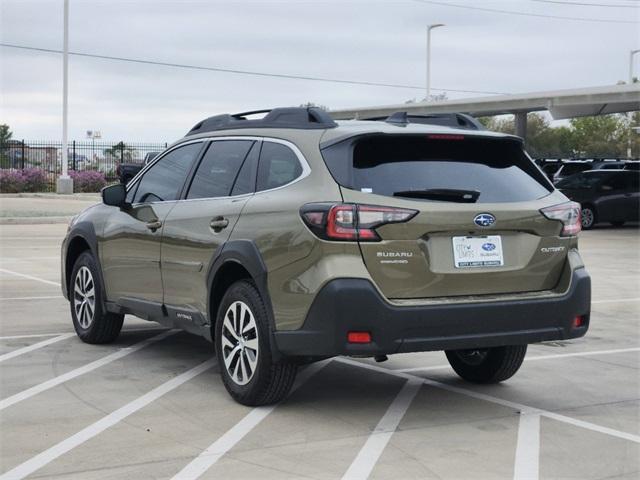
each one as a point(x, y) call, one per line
point(219, 223)
point(155, 225)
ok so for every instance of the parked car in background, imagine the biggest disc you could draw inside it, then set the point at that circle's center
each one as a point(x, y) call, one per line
point(572, 167)
point(605, 195)
point(126, 171)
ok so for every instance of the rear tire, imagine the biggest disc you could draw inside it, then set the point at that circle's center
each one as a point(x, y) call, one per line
point(588, 217)
point(243, 349)
point(490, 365)
point(92, 324)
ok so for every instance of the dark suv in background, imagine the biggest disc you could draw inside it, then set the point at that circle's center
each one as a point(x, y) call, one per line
point(293, 238)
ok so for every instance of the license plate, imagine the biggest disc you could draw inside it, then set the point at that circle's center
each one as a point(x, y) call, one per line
point(469, 252)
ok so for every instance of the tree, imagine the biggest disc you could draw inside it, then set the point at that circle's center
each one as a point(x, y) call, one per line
point(121, 151)
point(5, 135)
point(600, 136)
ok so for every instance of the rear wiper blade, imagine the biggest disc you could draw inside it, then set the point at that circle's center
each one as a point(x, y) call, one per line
point(442, 194)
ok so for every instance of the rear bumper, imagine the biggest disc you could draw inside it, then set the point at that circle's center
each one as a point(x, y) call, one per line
point(351, 304)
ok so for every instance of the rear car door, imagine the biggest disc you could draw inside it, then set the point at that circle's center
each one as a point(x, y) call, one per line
point(478, 228)
point(199, 225)
point(612, 203)
point(130, 247)
point(632, 196)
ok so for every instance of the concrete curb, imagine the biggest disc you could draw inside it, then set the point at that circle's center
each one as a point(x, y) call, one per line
point(85, 197)
point(33, 220)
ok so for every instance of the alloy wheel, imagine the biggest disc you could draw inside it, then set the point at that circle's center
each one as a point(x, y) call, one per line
point(84, 297)
point(587, 217)
point(240, 343)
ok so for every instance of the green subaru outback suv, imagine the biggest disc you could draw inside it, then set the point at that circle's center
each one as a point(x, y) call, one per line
point(292, 238)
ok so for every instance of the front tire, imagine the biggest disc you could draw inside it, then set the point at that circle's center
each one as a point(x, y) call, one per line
point(588, 217)
point(489, 365)
point(243, 349)
point(92, 324)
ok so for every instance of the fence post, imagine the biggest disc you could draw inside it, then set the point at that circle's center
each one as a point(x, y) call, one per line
point(74, 155)
point(121, 152)
point(22, 156)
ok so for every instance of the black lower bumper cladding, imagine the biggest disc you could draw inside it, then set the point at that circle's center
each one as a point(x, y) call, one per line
point(351, 304)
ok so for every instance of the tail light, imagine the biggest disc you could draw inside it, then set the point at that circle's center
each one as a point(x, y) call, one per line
point(351, 222)
point(569, 214)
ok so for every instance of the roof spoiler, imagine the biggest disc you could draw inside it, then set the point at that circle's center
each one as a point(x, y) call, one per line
point(452, 120)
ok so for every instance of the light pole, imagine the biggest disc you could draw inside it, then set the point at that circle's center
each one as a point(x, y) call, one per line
point(429, 28)
point(631, 54)
point(65, 183)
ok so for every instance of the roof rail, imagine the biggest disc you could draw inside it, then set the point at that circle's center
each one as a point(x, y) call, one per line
point(453, 120)
point(289, 117)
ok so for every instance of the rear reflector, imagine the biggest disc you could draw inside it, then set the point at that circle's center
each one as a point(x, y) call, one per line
point(578, 321)
point(359, 337)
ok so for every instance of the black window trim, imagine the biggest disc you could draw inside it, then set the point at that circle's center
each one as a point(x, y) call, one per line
point(192, 173)
point(135, 181)
point(306, 169)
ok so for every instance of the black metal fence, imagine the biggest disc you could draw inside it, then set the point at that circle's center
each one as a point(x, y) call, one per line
point(46, 156)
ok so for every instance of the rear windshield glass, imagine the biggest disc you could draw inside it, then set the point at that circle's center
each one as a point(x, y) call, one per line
point(444, 168)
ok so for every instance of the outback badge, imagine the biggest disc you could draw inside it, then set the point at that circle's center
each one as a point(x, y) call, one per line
point(484, 220)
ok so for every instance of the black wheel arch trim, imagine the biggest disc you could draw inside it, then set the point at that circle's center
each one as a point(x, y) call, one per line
point(85, 231)
point(246, 254)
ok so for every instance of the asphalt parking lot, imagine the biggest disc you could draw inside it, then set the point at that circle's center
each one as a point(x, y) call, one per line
point(152, 404)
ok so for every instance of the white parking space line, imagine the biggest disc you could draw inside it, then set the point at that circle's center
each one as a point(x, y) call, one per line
point(499, 401)
point(226, 442)
point(617, 300)
point(65, 377)
point(46, 297)
point(526, 466)
point(35, 346)
point(374, 446)
point(42, 459)
point(533, 358)
point(36, 335)
point(30, 277)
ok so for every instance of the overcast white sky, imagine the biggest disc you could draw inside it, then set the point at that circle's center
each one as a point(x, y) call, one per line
point(378, 41)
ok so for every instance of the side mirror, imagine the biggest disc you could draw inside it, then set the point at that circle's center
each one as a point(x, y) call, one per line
point(115, 195)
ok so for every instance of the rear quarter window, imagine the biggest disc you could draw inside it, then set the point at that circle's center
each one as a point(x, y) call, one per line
point(498, 169)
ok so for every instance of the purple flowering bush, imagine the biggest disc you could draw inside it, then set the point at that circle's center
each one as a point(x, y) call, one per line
point(35, 180)
point(27, 180)
point(87, 181)
point(11, 181)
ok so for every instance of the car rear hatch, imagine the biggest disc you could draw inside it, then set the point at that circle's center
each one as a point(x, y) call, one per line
point(476, 226)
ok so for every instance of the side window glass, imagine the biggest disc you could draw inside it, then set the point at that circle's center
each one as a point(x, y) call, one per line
point(617, 182)
point(219, 168)
point(279, 165)
point(246, 181)
point(164, 180)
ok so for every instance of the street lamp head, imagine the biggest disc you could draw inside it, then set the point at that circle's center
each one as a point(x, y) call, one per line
point(435, 25)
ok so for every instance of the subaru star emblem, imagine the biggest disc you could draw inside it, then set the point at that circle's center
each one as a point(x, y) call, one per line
point(484, 220)
point(488, 247)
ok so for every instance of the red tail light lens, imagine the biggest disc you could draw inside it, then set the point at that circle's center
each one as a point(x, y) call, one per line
point(351, 222)
point(567, 213)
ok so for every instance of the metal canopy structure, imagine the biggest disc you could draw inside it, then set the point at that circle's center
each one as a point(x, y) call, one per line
point(562, 104)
